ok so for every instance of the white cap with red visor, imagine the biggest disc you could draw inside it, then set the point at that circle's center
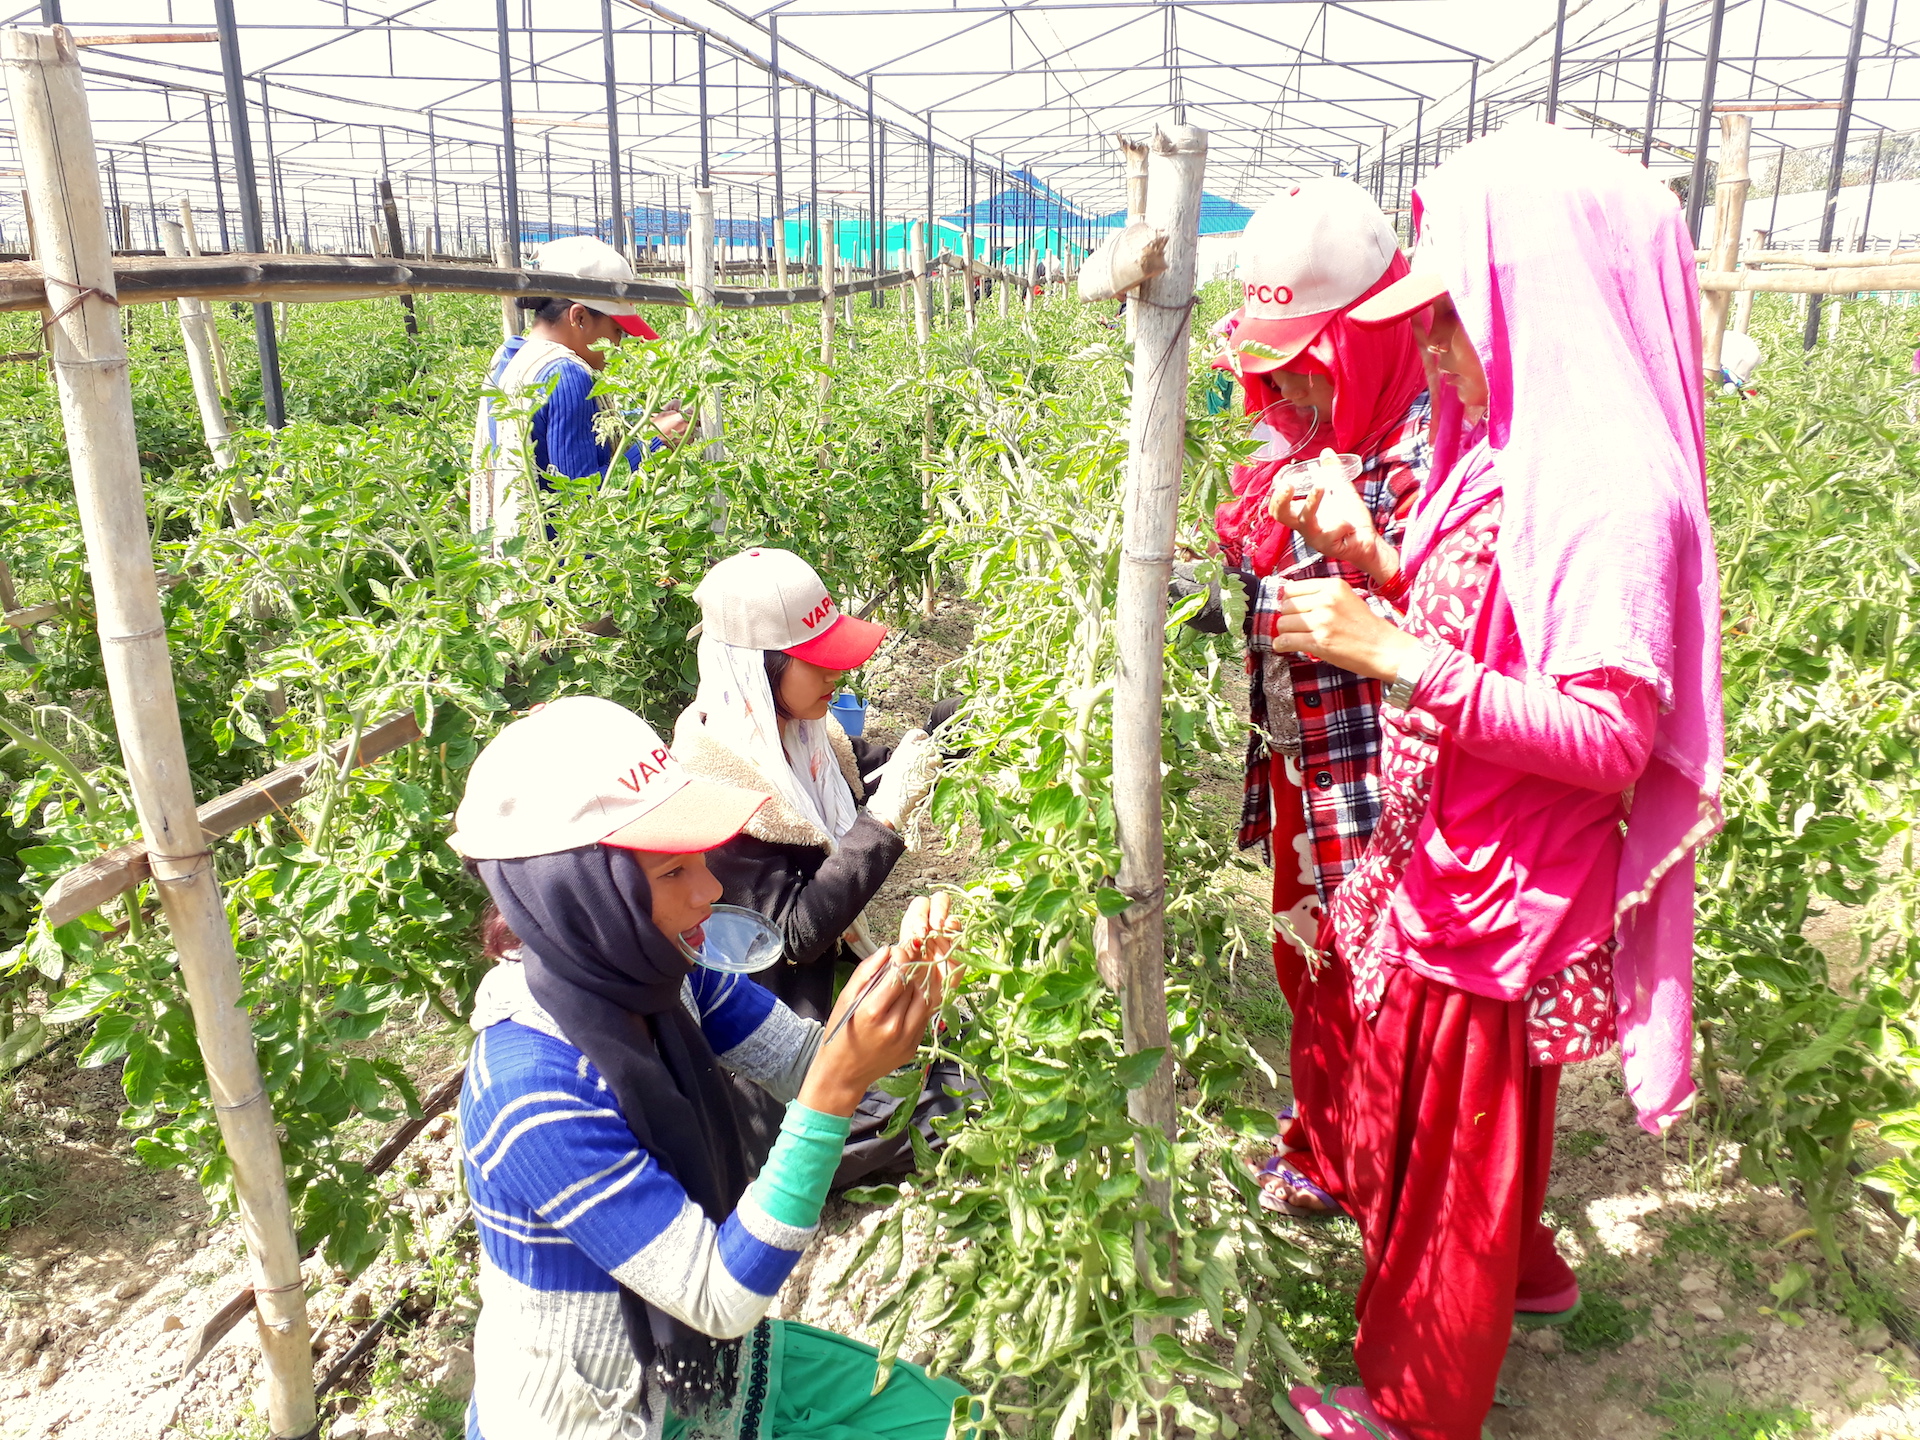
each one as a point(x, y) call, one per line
point(769, 599)
point(584, 771)
point(1307, 254)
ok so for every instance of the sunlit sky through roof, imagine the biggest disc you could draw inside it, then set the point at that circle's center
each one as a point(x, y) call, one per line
point(1284, 88)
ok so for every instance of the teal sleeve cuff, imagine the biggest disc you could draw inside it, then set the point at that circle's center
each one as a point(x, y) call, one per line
point(793, 1184)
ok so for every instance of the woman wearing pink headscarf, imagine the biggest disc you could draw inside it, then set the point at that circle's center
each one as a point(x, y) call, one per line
point(1552, 758)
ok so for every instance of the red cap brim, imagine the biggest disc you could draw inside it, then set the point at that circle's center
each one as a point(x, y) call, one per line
point(1399, 300)
point(847, 644)
point(1285, 338)
point(697, 816)
point(635, 326)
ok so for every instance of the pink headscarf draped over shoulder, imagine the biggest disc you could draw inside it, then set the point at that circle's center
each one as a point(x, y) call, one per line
point(1573, 273)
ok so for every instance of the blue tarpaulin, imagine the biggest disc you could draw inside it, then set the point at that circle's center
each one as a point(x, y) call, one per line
point(1218, 216)
point(1017, 207)
point(853, 239)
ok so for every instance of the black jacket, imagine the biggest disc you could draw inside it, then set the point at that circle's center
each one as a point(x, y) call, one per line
point(779, 865)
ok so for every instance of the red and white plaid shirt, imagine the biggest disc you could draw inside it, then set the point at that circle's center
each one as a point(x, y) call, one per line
point(1338, 712)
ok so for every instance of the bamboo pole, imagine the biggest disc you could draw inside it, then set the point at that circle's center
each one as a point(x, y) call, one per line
point(55, 138)
point(1815, 282)
point(1743, 300)
point(829, 264)
point(1828, 259)
point(700, 280)
point(213, 330)
point(10, 602)
point(196, 325)
point(397, 249)
point(967, 280)
point(1729, 215)
point(1131, 946)
point(922, 288)
point(1136, 154)
point(504, 257)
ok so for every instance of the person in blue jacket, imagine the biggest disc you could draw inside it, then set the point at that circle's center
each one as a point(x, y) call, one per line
point(627, 1260)
point(539, 416)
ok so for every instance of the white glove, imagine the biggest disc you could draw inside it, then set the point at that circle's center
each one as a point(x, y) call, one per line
point(905, 780)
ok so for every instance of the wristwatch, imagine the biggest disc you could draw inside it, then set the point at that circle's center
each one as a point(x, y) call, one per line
point(1400, 693)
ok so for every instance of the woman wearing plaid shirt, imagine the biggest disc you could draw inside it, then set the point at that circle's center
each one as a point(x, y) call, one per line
point(1315, 382)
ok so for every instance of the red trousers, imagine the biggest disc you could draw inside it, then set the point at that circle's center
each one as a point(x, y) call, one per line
point(1436, 1135)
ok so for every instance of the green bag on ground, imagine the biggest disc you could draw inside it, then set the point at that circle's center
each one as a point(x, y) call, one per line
point(798, 1382)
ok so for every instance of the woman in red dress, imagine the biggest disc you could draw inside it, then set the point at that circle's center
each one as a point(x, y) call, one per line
point(1552, 759)
point(1315, 381)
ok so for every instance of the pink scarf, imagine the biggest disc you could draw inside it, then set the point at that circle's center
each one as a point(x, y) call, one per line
point(1573, 272)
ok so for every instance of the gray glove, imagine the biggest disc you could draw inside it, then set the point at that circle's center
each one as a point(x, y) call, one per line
point(905, 780)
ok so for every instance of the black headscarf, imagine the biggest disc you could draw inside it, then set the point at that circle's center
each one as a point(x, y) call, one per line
point(597, 963)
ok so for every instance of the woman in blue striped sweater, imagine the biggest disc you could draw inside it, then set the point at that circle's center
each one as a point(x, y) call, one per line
point(627, 1261)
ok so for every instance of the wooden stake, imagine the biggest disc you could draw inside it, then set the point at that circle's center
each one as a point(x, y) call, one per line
point(1743, 300)
point(213, 330)
point(967, 280)
point(10, 602)
point(1729, 213)
point(1136, 154)
point(196, 327)
point(509, 307)
point(700, 280)
point(396, 249)
point(829, 263)
point(1849, 281)
point(922, 291)
point(1132, 945)
point(55, 136)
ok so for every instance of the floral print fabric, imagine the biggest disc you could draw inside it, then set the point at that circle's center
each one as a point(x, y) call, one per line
point(1570, 1012)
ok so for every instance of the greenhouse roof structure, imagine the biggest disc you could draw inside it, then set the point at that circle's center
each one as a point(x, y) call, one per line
point(603, 115)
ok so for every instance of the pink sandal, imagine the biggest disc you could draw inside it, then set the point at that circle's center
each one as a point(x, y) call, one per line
point(1345, 1414)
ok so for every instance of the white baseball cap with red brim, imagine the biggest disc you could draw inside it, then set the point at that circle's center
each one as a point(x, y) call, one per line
point(769, 599)
point(1423, 284)
point(585, 771)
point(1307, 254)
point(592, 257)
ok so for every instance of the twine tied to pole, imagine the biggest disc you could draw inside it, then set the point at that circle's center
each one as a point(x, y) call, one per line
point(152, 632)
point(81, 296)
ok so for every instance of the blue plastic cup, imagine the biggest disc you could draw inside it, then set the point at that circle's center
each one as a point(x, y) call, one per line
point(850, 710)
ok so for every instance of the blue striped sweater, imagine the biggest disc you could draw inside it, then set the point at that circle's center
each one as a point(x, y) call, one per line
point(569, 1208)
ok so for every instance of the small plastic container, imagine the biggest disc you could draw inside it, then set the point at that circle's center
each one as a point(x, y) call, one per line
point(1303, 477)
point(850, 710)
point(740, 941)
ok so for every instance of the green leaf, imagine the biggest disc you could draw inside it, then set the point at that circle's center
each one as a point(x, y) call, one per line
point(364, 1088)
point(423, 904)
point(79, 1001)
point(112, 1035)
point(1055, 806)
point(1183, 1361)
point(1135, 1070)
point(144, 1070)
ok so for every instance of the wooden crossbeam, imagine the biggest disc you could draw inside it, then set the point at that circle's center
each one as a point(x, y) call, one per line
point(1848, 281)
point(312, 279)
point(89, 886)
point(151, 37)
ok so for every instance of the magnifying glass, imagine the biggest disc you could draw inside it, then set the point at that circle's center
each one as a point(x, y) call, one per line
point(738, 941)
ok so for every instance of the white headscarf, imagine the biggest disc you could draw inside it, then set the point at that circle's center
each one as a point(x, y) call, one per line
point(735, 706)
